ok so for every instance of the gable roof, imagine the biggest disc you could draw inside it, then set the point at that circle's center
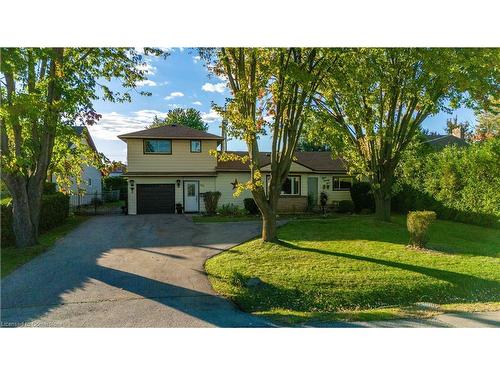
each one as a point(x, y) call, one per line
point(171, 132)
point(82, 130)
point(439, 141)
point(319, 161)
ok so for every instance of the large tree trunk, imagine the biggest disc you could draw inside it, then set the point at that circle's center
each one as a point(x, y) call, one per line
point(269, 229)
point(382, 205)
point(25, 230)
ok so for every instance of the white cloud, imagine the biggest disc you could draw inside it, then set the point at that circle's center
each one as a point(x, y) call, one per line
point(197, 103)
point(217, 87)
point(211, 116)
point(175, 94)
point(196, 59)
point(146, 82)
point(113, 124)
point(173, 106)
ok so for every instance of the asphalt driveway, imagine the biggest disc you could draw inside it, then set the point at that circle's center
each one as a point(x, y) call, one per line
point(127, 271)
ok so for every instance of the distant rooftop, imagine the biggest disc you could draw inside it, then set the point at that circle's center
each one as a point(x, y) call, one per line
point(171, 132)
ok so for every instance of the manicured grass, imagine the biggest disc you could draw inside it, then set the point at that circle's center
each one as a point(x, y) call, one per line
point(13, 257)
point(356, 268)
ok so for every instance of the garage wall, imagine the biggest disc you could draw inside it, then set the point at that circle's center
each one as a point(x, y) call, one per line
point(206, 184)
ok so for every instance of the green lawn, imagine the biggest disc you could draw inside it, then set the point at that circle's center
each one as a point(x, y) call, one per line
point(357, 268)
point(13, 257)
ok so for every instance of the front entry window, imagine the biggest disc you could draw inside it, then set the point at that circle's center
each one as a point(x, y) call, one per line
point(191, 190)
point(291, 186)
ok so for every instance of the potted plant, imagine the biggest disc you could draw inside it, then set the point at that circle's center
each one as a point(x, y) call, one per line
point(178, 208)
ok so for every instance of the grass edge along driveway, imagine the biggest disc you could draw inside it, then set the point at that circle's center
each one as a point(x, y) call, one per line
point(356, 268)
point(13, 258)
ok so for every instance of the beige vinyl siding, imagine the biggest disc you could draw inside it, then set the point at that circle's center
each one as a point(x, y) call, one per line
point(223, 184)
point(206, 184)
point(181, 159)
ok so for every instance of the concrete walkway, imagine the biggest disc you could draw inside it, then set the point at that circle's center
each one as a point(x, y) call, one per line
point(490, 319)
point(127, 271)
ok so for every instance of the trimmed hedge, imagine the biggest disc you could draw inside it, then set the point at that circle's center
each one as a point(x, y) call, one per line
point(362, 196)
point(410, 199)
point(345, 207)
point(251, 206)
point(54, 212)
point(418, 223)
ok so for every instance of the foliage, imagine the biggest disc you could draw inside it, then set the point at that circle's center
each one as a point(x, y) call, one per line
point(271, 90)
point(54, 212)
point(44, 92)
point(356, 262)
point(464, 128)
point(49, 187)
point(488, 124)
point(230, 209)
point(189, 117)
point(116, 183)
point(362, 196)
point(418, 223)
point(323, 199)
point(346, 206)
point(211, 199)
point(460, 184)
point(251, 206)
point(372, 105)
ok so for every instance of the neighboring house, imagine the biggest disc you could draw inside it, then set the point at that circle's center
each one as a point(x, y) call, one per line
point(117, 172)
point(440, 141)
point(169, 165)
point(91, 177)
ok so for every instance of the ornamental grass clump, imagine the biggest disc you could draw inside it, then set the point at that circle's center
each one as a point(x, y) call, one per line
point(211, 199)
point(418, 223)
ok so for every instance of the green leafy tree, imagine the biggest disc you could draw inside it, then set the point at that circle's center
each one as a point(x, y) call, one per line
point(271, 89)
point(462, 129)
point(43, 92)
point(374, 103)
point(189, 117)
point(488, 125)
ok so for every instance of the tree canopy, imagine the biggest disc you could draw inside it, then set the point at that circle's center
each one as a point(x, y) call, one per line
point(372, 105)
point(189, 117)
point(44, 92)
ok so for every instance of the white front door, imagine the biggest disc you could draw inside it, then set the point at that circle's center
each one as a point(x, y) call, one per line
point(191, 196)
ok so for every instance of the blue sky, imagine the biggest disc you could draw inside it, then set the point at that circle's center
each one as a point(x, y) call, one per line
point(181, 80)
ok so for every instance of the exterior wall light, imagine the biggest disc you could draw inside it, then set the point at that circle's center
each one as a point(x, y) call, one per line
point(132, 184)
point(178, 183)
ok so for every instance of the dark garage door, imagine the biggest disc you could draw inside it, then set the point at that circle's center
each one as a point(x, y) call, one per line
point(156, 199)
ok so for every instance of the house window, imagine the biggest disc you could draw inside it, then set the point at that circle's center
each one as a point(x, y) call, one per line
point(157, 146)
point(291, 186)
point(195, 145)
point(342, 183)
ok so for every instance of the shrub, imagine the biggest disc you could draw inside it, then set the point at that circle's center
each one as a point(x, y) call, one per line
point(362, 196)
point(49, 188)
point(346, 206)
point(211, 199)
point(54, 212)
point(323, 199)
point(418, 223)
point(251, 206)
point(116, 183)
point(230, 210)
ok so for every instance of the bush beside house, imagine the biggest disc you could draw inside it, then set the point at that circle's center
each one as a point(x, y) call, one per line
point(54, 212)
point(251, 206)
point(362, 197)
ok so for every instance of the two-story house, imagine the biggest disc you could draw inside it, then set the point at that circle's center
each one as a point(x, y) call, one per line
point(172, 165)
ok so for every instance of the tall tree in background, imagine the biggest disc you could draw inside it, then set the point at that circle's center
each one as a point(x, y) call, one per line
point(378, 97)
point(488, 123)
point(189, 117)
point(43, 92)
point(458, 129)
point(271, 89)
